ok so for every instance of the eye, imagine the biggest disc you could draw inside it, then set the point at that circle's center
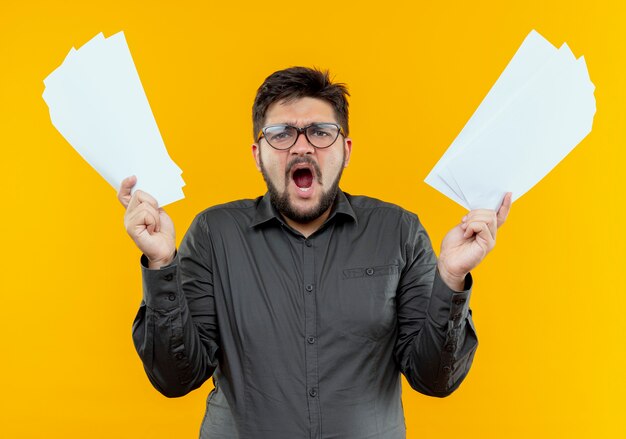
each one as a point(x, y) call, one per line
point(320, 133)
point(317, 131)
point(279, 134)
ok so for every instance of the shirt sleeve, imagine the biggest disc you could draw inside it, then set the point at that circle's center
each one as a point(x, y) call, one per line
point(175, 331)
point(436, 339)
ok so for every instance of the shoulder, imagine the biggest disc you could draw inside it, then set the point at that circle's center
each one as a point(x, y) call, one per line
point(233, 212)
point(384, 222)
point(243, 206)
point(369, 208)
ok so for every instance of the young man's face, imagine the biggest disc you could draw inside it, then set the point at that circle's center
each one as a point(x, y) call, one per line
point(302, 180)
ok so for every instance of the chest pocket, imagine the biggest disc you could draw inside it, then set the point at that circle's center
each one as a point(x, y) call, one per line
point(367, 300)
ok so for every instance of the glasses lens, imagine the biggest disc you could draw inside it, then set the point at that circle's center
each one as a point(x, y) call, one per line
point(280, 136)
point(322, 135)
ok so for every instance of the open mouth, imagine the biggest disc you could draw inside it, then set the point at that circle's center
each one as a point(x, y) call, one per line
point(303, 177)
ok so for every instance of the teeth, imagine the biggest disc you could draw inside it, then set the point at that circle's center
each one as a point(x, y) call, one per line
point(304, 189)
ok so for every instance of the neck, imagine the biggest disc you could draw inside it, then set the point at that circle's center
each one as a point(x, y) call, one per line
point(307, 229)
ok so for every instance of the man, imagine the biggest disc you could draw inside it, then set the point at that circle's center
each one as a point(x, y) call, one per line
point(306, 304)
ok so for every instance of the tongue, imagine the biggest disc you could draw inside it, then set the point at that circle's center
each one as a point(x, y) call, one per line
point(303, 178)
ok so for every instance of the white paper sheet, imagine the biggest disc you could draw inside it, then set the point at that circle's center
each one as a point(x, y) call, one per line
point(540, 108)
point(98, 104)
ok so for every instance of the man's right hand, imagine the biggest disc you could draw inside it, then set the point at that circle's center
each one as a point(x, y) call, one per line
point(148, 225)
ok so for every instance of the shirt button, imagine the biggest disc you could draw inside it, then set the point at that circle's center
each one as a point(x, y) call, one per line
point(308, 243)
point(459, 301)
point(449, 347)
point(456, 316)
point(313, 392)
point(447, 369)
point(168, 277)
point(171, 297)
point(311, 340)
point(309, 288)
point(179, 355)
point(369, 271)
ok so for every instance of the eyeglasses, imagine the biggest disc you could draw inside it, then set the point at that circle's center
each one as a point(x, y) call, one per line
point(283, 136)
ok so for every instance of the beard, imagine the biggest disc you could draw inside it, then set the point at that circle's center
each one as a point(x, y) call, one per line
point(282, 202)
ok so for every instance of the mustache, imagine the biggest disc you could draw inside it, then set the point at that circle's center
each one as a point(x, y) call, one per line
point(308, 160)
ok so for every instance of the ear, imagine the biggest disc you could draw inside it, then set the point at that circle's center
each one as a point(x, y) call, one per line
point(347, 145)
point(256, 152)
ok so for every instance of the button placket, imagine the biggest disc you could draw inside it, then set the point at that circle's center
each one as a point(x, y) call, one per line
point(311, 345)
point(447, 355)
point(457, 309)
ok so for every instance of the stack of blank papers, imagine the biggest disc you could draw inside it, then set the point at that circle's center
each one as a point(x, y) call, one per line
point(97, 103)
point(539, 109)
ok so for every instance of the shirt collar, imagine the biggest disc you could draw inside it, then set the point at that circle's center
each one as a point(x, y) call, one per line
point(265, 211)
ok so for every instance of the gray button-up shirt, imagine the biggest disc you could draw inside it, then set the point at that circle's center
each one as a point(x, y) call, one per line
point(304, 337)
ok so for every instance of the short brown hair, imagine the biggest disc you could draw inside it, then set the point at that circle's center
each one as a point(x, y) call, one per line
point(299, 82)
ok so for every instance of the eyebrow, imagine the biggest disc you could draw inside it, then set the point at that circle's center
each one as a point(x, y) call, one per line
point(295, 124)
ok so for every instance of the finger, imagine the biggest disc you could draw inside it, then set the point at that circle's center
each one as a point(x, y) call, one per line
point(125, 188)
point(472, 215)
point(161, 211)
point(155, 214)
point(134, 201)
point(142, 197)
point(479, 228)
point(482, 233)
point(139, 214)
point(150, 225)
point(483, 215)
point(141, 218)
point(504, 209)
point(486, 234)
point(471, 228)
point(150, 221)
point(475, 211)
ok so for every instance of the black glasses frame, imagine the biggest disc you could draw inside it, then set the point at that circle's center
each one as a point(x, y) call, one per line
point(303, 130)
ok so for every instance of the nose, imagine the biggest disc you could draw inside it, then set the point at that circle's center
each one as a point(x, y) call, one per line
point(302, 146)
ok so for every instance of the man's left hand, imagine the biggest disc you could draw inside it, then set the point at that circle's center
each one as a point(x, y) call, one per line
point(467, 244)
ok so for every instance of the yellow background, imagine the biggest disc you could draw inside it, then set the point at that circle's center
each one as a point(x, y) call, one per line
point(548, 303)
